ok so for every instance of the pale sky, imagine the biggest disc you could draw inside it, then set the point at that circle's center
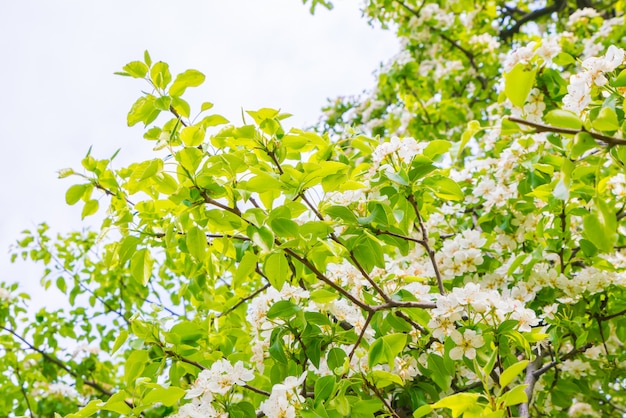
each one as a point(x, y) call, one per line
point(60, 96)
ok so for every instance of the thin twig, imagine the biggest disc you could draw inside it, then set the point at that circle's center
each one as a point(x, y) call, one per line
point(426, 245)
point(243, 300)
point(361, 334)
point(381, 397)
point(23, 390)
point(257, 390)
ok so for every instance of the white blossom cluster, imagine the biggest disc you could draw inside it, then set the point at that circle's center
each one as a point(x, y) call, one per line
point(582, 16)
point(581, 409)
point(477, 305)
point(461, 254)
point(432, 12)
point(219, 379)
point(489, 42)
point(579, 90)
point(5, 295)
point(405, 149)
point(285, 398)
point(85, 350)
point(545, 50)
point(62, 390)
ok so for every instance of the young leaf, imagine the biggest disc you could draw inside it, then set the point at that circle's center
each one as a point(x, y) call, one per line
point(512, 372)
point(189, 78)
point(518, 83)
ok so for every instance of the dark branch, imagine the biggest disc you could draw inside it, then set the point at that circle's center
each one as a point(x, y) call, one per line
point(557, 6)
point(566, 131)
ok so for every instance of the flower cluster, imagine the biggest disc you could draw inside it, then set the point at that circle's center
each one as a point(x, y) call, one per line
point(579, 90)
point(218, 380)
point(461, 255)
point(285, 399)
point(476, 305)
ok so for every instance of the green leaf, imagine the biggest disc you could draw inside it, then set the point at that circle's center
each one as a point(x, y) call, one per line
point(192, 136)
point(91, 207)
point(246, 266)
point(437, 147)
point(197, 243)
point(458, 403)
point(606, 120)
point(262, 182)
point(213, 120)
point(368, 252)
point(515, 396)
point(88, 410)
point(167, 396)
point(189, 78)
point(563, 59)
point(518, 83)
point(324, 387)
point(323, 296)
point(117, 403)
point(440, 374)
point(141, 266)
point(119, 340)
point(512, 372)
point(588, 248)
point(180, 106)
point(136, 69)
point(163, 103)
point(160, 75)
point(422, 411)
point(335, 358)
point(189, 158)
point(582, 142)
point(241, 410)
point(600, 226)
point(284, 309)
point(284, 227)
point(127, 248)
point(365, 408)
point(472, 127)
point(444, 187)
point(134, 365)
point(277, 269)
point(386, 348)
point(75, 193)
point(620, 81)
point(563, 119)
point(383, 379)
point(341, 212)
point(143, 110)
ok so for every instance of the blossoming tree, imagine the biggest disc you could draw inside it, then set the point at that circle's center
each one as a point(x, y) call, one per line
point(449, 244)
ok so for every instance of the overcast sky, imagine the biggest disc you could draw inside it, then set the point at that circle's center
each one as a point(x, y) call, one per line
point(60, 96)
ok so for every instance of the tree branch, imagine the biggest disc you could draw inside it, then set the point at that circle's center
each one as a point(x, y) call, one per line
point(62, 365)
point(326, 280)
point(566, 131)
point(557, 6)
point(530, 380)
